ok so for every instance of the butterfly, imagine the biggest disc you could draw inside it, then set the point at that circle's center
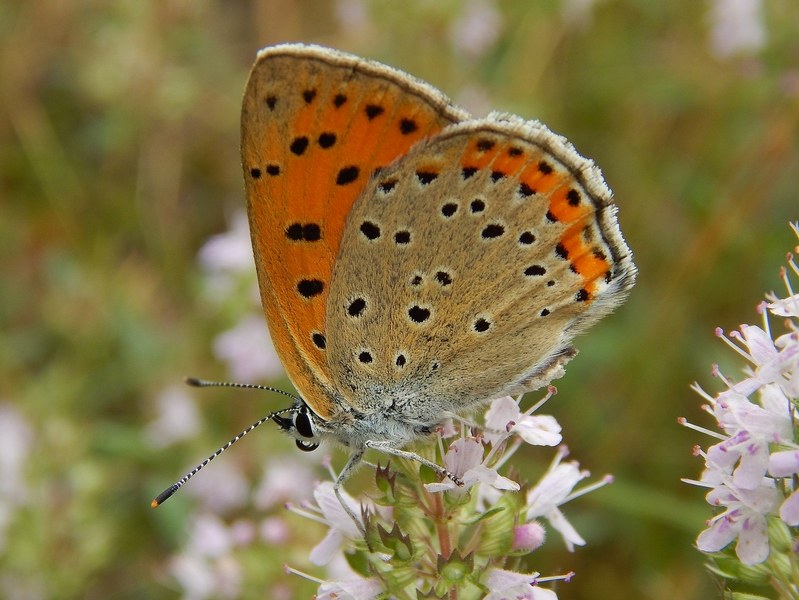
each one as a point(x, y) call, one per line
point(414, 262)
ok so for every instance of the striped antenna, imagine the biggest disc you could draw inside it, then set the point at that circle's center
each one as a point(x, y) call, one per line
point(167, 493)
point(194, 382)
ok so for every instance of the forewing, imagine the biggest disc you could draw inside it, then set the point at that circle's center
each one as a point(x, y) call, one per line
point(316, 124)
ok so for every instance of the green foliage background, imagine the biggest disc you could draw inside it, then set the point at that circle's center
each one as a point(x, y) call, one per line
point(119, 158)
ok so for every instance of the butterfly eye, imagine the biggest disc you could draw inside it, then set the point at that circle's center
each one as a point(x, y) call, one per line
point(302, 422)
point(306, 446)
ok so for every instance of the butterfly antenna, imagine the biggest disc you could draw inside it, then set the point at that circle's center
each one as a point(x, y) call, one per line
point(167, 493)
point(194, 382)
point(164, 496)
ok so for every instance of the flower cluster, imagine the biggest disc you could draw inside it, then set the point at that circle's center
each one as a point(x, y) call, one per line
point(434, 537)
point(752, 469)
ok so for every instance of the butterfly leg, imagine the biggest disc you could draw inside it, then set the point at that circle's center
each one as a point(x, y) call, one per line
point(349, 468)
point(389, 449)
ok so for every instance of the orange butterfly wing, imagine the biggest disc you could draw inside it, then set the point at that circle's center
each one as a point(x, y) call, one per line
point(316, 125)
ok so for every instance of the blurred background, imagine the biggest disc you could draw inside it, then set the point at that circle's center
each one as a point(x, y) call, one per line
point(126, 265)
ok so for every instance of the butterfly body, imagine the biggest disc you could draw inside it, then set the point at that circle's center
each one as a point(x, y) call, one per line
point(414, 262)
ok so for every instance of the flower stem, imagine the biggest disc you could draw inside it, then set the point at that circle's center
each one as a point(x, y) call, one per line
point(442, 528)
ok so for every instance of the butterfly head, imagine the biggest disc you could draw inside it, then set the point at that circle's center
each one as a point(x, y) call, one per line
point(299, 423)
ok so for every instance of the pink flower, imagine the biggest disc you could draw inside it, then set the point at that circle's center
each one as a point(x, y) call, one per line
point(207, 568)
point(227, 261)
point(464, 459)
point(289, 478)
point(340, 524)
point(769, 420)
point(477, 28)
point(221, 490)
point(744, 519)
point(274, 530)
point(554, 489)
point(230, 251)
point(773, 361)
point(177, 417)
point(16, 441)
point(248, 351)
point(351, 589)
point(737, 27)
point(528, 537)
point(751, 456)
point(752, 428)
point(508, 585)
point(786, 464)
point(210, 536)
point(504, 417)
point(785, 307)
point(201, 577)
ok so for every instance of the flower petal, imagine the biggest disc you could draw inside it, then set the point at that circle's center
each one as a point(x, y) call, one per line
point(760, 344)
point(542, 430)
point(501, 412)
point(333, 511)
point(553, 488)
point(789, 511)
point(752, 547)
point(462, 455)
point(719, 535)
point(785, 307)
point(324, 550)
point(443, 486)
point(783, 464)
point(500, 579)
point(753, 467)
point(559, 523)
point(352, 589)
